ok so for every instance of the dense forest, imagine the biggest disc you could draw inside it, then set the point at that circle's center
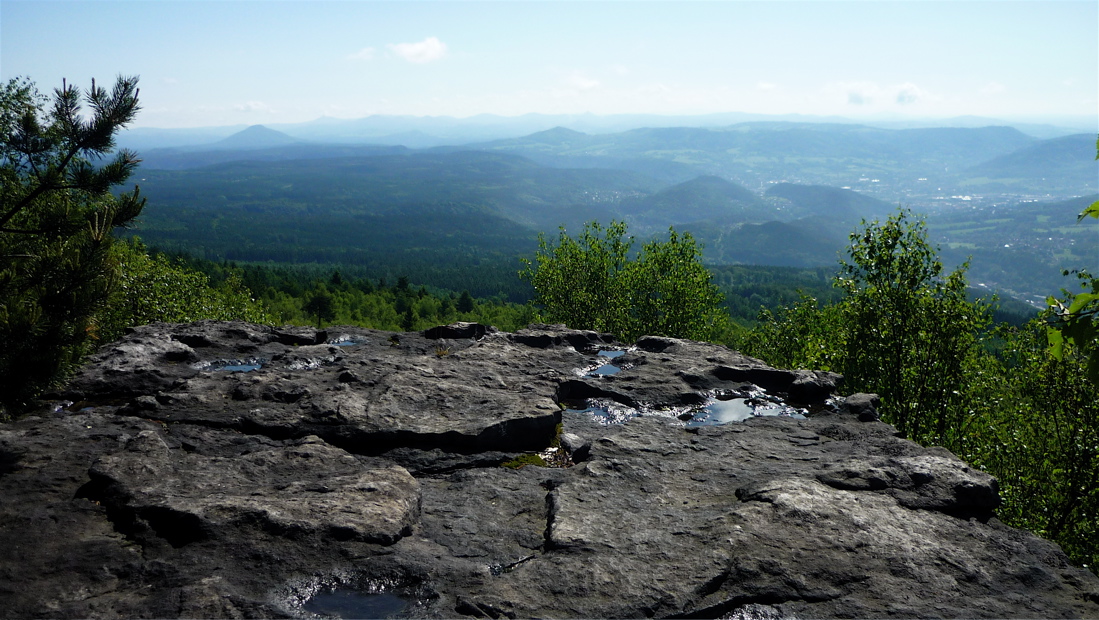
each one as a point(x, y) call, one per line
point(746, 290)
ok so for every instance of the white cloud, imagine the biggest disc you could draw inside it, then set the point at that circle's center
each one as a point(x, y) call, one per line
point(909, 93)
point(170, 80)
point(366, 53)
point(858, 98)
point(427, 50)
point(993, 88)
point(878, 97)
point(853, 93)
point(253, 106)
point(766, 86)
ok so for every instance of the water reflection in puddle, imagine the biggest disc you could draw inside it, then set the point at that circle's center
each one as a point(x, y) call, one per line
point(607, 413)
point(717, 410)
point(240, 367)
point(605, 370)
point(725, 410)
point(351, 603)
point(243, 365)
point(344, 341)
point(606, 367)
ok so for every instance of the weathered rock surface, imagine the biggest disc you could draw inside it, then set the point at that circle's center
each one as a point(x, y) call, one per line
point(357, 472)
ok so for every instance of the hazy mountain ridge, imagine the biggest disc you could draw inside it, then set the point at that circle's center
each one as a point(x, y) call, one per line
point(366, 207)
point(1057, 160)
point(431, 131)
point(782, 244)
point(760, 192)
point(914, 166)
point(513, 187)
point(796, 226)
point(185, 159)
point(757, 154)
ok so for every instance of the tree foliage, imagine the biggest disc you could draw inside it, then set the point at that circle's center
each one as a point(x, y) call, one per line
point(805, 334)
point(995, 397)
point(1075, 320)
point(57, 214)
point(1074, 324)
point(320, 304)
point(903, 329)
point(152, 287)
point(591, 282)
point(910, 330)
point(1037, 431)
point(284, 292)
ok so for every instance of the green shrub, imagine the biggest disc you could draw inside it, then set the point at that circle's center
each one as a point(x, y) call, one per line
point(998, 398)
point(911, 333)
point(592, 283)
point(153, 288)
point(1038, 433)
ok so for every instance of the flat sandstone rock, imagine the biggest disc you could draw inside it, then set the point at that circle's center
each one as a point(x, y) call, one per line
point(234, 470)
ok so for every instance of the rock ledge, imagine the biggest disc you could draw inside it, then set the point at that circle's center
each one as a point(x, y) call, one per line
point(233, 470)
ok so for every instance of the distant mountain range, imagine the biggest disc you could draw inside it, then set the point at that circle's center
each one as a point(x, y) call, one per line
point(384, 205)
point(913, 166)
point(892, 164)
point(429, 131)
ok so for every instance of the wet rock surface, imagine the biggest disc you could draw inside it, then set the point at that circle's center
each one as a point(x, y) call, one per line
point(232, 470)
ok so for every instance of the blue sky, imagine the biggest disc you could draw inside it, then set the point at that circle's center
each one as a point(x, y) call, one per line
point(221, 62)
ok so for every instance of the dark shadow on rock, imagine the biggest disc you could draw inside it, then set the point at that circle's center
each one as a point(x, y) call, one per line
point(459, 331)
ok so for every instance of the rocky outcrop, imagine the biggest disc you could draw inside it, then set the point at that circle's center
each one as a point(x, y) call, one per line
point(233, 470)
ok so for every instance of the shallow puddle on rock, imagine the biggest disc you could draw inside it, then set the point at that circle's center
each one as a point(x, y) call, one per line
point(241, 367)
point(344, 341)
point(716, 411)
point(724, 411)
point(351, 603)
point(309, 363)
point(607, 368)
point(245, 365)
point(607, 413)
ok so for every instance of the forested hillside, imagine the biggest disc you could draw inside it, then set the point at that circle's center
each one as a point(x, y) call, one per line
point(441, 217)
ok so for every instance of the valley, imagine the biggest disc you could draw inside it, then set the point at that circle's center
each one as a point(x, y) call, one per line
point(757, 193)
